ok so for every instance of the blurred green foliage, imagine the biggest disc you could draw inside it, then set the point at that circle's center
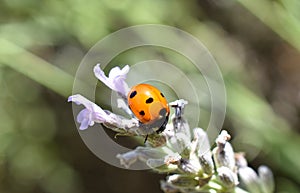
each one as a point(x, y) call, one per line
point(255, 42)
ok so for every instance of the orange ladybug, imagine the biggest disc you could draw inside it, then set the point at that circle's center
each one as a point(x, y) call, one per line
point(149, 105)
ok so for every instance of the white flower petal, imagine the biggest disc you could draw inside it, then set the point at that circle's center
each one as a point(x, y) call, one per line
point(81, 100)
point(115, 79)
point(84, 118)
point(91, 114)
point(120, 85)
point(201, 141)
point(122, 105)
point(116, 71)
point(100, 74)
point(140, 153)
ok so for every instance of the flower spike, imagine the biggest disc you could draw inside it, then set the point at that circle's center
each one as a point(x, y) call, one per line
point(184, 154)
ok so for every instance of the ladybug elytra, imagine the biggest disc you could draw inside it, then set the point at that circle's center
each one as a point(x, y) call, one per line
point(149, 105)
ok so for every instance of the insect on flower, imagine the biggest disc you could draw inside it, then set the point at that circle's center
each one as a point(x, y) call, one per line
point(149, 105)
point(171, 148)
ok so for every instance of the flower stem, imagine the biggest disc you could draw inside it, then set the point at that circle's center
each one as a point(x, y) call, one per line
point(35, 68)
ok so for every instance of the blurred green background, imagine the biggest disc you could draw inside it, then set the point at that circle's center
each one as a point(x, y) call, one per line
point(255, 42)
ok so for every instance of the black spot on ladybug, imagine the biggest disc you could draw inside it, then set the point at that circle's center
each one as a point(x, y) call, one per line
point(142, 113)
point(132, 94)
point(162, 94)
point(149, 100)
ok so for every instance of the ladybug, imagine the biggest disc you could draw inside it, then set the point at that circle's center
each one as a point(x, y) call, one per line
point(149, 105)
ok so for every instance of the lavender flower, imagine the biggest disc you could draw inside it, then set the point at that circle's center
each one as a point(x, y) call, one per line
point(262, 182)
point(184, 152)
point(223, 153)
point(91, 114)
point(115, 80)
point(266, 179)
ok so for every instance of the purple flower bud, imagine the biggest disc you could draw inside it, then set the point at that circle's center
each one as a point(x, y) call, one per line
point(249, 179)
point(266, 179)
point(227, 177)
point(223, 154)
point(240, 160)
point(190, 166)
point(200, 141)
point(180, 141)
point(182, 181)
point(206, 163)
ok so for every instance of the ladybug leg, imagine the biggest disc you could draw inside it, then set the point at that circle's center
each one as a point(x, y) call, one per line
point(146, 138)
point(144, 126)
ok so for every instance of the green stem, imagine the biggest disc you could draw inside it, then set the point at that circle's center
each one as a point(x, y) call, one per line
point(274, 15)
point(35, 68)
point(256, 120)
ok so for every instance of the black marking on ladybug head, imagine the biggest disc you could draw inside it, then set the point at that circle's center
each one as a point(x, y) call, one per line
point(149, 100)
point(162, 94)
point(142, 113)
point(132, 94)
point(163, 112)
